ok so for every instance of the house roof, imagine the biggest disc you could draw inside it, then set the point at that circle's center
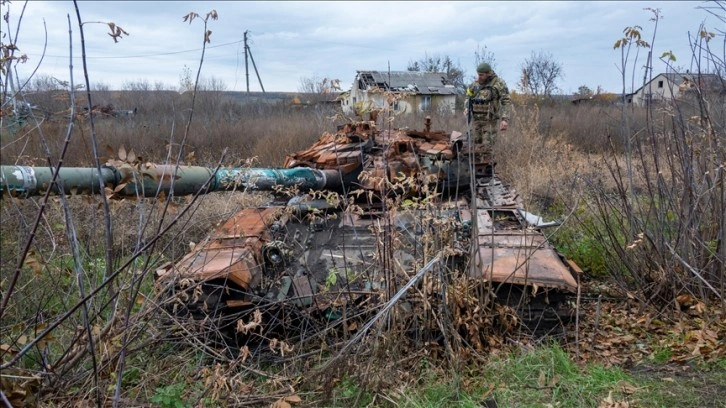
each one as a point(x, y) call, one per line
point(426, 83)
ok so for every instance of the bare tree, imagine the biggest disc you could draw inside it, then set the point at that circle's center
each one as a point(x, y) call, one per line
point(319, 89)
point(42, 83)
point(317, 85)
point(186, 81)
point(584, 90)
point(438, 63)
point(139, 85)
point(484, 55)
point(540, 73)
point(214, 84)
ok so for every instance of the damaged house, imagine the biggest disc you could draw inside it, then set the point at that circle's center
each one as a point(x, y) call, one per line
point(674, 86)
point(400, 91)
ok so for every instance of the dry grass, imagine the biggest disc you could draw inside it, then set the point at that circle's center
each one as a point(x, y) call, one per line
point(157, 132)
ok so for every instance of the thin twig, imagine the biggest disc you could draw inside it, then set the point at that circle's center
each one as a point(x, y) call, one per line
point(693, 271)
point(577, 319)
point(597, 323)
point(384, 311)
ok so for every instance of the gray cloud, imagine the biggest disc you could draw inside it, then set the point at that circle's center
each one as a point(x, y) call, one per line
point(294, 40)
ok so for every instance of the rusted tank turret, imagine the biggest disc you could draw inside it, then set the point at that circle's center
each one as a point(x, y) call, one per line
point(361, 207)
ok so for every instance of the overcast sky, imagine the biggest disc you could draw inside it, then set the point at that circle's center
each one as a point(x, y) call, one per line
point(294, 40)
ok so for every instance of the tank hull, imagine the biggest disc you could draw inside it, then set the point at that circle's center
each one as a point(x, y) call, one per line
point(360, 219)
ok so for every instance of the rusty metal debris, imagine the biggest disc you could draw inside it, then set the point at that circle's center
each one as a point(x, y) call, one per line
point(355, 217)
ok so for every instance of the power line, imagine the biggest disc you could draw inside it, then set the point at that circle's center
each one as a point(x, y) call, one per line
point(147, 55)
point(160, 54)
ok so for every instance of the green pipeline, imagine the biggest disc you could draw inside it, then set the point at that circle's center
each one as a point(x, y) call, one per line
point(150, 180)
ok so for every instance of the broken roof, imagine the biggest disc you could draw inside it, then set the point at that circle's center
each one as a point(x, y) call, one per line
point(427, 83)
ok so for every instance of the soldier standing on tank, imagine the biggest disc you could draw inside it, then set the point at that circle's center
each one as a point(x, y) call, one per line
point(488, 108)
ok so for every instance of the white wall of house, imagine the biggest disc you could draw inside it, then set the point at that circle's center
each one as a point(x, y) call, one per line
point(444, 103)
point(659, 89)
point(408, 103)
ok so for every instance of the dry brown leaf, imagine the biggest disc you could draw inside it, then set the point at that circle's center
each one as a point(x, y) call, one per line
point(244, 353)
point(281, 403)
point(553, 382)
point(34, 264)
point(627, 388)
point(488, 391)
point(119, 187)
point(685, 299)
point(255, 321)
point(293, 398)
point(609, 402)
point(191, 16)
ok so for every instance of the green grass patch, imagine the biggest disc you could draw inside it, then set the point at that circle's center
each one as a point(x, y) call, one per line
point(680, 386)
point(545, 376)
point(548, 377)
point(661, 355)
point(348, 392)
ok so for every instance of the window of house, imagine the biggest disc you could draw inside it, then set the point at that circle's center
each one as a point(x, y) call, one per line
point(396, 107)
point(354, 99)
point(426, 103)
point(660, 84)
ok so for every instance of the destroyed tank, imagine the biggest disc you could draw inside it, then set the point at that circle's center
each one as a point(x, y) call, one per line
point(362, 220)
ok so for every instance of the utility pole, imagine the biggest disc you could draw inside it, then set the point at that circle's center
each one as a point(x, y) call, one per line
point(248, 52)
point(247, 72)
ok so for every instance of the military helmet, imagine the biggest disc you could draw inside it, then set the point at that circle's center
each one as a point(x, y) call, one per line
point(484, 67)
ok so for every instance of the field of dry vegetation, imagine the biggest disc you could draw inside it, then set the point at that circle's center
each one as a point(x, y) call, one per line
point(649, 237)
point(640, 194)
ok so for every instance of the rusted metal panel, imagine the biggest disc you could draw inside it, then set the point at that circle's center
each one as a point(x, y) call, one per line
point(236, 264)
point(525, 266)
point(508, 250)
point(231, 250)
point(250, 222)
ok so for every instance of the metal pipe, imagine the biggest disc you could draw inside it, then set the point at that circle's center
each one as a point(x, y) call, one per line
point(149, 179)
point(304, 178)
point(28, 181)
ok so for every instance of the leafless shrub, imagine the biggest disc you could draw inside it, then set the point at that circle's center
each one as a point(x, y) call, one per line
point(664, 223)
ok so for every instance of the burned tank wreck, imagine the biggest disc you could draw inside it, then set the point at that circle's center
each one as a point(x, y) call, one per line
point(366, 223)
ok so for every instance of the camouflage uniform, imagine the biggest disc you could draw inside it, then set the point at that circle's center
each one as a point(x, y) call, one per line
point(489, 103)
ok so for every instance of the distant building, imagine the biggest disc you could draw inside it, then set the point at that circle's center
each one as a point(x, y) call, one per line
point(400, 91)
point(669, 86)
